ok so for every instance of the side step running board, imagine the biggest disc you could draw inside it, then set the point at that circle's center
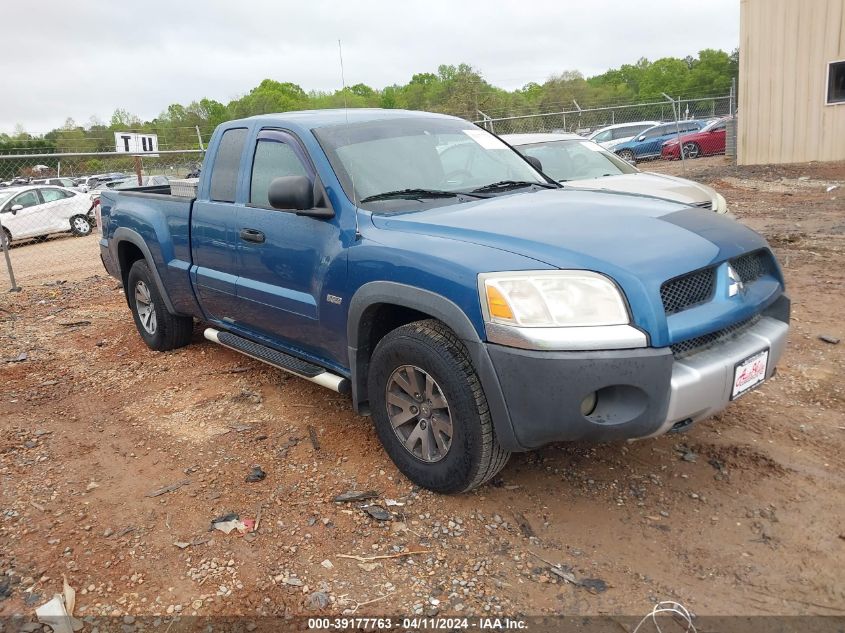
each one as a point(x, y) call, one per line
point(280, 360)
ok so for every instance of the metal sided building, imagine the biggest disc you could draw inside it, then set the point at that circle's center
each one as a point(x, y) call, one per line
point(791, 81)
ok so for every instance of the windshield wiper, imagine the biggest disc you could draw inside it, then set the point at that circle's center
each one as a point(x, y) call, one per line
point(411, 194)
point(506, 185)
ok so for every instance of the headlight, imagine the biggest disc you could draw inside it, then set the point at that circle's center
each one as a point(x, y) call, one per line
point(721, 204)
point(558, 298)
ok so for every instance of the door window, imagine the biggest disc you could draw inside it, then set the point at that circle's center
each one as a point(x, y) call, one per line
point(273, 159)
point(52, 195)
point(655, 132)
point(604, 136)
point(224, 172)
point(26, 199)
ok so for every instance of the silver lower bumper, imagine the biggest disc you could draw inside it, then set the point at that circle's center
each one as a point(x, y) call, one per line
point(702, 383)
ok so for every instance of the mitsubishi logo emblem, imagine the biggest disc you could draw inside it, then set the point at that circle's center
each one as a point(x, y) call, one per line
point(736, 284)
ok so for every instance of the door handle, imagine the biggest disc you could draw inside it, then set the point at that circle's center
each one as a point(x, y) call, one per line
point(252, 235)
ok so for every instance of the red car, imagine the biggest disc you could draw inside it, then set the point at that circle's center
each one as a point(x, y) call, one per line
point(710, 140)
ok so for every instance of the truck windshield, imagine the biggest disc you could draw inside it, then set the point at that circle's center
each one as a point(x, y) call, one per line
point(421, 160)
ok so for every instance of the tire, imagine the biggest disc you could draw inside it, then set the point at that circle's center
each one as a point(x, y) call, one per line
point(691, 150)
point(8, 236)
point(80, 225)
point(472, 454)
point(160, 329)
point(628, 156)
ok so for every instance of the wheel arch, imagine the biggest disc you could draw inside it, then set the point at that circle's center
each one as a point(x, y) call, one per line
point(379, 307)
point(129, 247)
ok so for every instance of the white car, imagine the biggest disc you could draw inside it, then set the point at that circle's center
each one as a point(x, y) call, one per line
point(67, 183)
point(579, 163)
point(31, 212)
point(613, 135)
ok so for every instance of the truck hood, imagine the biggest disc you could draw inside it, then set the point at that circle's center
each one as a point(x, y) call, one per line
point(640, 242)
point(658, 185)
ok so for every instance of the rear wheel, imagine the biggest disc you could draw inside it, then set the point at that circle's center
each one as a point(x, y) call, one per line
point(430, 411)
point(8, 236)
point(627, 155)
point(160, 329)
point(80, 225)
point(691, 150)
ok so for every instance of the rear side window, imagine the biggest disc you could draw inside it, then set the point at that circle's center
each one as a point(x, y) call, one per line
point(272, 160)
point(626, 132)
point(224, 172)
point(51, 195)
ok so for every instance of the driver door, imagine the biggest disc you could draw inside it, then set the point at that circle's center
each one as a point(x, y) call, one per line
point(28, 221)
point(285, 259)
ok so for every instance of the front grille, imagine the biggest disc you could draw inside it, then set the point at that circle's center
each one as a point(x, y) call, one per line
point(700, 343)
point(688, 290)
point(752, 266)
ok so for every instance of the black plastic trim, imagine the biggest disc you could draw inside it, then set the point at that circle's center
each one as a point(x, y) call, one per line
point(544, 391)
point(377, 293)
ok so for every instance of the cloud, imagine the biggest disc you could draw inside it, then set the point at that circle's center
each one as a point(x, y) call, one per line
point(89, 57)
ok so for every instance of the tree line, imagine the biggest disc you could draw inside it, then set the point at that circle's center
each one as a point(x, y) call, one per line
point(454, 89)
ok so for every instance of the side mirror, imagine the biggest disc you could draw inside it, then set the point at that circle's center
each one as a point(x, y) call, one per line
point(295, 193)
point(641, 137)
point(16, 208)
point(534, 162)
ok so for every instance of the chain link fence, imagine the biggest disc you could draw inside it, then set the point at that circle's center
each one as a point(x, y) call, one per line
point(585, 121)
point(49, 207)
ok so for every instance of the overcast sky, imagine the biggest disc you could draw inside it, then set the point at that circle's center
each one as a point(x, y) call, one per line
point(87, 57)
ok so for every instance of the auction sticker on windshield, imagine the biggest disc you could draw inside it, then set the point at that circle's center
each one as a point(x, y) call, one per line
point(487, 141)
point(749, 373)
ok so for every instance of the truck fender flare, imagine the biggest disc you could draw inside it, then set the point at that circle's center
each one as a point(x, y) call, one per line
point(440, 308)
point(123, 234)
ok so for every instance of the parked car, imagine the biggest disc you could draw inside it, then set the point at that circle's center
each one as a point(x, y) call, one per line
point(471, 311)
point(30, 212)
point(67, 183)
point(707, 142)
point(647, 144)
point(613, 135)
point(583, 164)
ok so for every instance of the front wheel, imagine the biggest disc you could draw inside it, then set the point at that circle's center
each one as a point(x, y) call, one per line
point(430, 411)
point(80, 225)
point(160, 329)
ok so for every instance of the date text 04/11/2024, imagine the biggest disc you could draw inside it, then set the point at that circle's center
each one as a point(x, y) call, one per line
point(422, 623)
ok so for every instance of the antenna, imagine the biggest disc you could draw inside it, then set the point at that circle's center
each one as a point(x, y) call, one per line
point(346, 112)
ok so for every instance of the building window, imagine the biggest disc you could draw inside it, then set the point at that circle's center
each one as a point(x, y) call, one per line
point(836, 82)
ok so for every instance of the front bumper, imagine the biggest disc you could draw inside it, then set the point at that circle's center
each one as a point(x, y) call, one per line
point(640, 392)
point(670, 153)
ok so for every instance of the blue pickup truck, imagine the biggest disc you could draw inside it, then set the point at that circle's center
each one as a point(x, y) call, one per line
point(472, 309)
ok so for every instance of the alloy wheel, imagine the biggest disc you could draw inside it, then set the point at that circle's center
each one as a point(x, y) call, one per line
point(419, 413)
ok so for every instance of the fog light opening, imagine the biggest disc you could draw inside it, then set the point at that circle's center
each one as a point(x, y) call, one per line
point(588, 404)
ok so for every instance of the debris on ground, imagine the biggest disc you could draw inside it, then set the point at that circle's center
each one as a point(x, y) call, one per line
point(565, 573)
point(355, 495)
point(312, 434)
point(232, 521)
point(169, 488)
point(18, 359)
point(524, 525)
point(367, 559)
point(829, 339)
point(317, 600)
point(57, 613)
point(256, 474)
point(377, 512)
point(240, 428)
